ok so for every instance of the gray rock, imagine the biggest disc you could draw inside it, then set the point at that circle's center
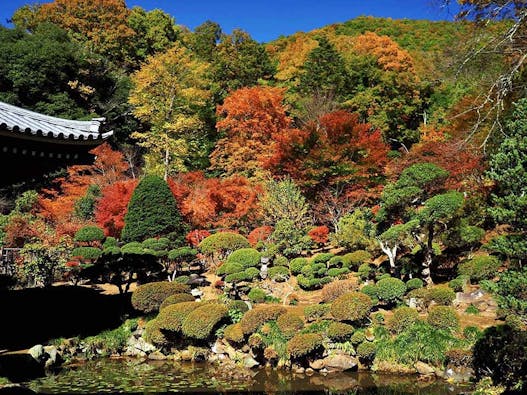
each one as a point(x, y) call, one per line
point(140, 346)
point(249, 362)
point(424, 369)
point(340, 362)
point(37, 352)
point(316, 364)
point(412, 303)
point(157, 356)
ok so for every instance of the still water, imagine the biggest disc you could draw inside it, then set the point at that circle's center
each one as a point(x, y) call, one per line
point(123, 376)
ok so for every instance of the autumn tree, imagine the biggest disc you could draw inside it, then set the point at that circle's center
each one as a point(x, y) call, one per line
point(169, 92)
point(112, 206)
point(252, 120)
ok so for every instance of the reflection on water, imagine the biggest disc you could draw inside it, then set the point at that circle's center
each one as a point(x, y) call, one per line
point(125, 376)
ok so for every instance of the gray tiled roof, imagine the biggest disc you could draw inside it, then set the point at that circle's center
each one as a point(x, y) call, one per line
point(19, 120)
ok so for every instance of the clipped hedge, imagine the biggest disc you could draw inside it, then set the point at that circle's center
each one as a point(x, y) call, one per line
point(153, 333)
point(147, 298)
point(171, 317)
point(334, 289)
point(233, 333)
point(414, 283)
point(223, 241)
point(289, 324)
point(88, 234)
point(339, 331)
point(246, 257)
point(296, 265)
point(357, 258)
point(443, 317)
point(316, 311)
point(479, 268)
point(248, 274)
point(91, 253)
point(278, 273)
point(390, 289)
point(201, 321)
point(322, 258)
point(253, 319)
point(257, 295)
point(440, 294)
point(229, 268)
point(176, 298)
point(309, 282)
point(366, 351)
point(402, 318)
point(352, 306)
point(304, 344)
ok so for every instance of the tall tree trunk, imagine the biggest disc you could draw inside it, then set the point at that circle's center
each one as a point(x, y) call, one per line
point(428, 250)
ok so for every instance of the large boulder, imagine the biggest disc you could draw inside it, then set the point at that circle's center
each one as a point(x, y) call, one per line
point(340, 362)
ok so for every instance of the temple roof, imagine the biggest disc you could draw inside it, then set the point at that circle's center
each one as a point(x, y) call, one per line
point(28, 123)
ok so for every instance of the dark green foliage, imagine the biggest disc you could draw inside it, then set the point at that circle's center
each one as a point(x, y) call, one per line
point(339, 331)
point(303, 344)
point(147, 298)
point(357, 258)
point(278, 273)
point(257, 295)
point(337, 272)
point(204, 39)
point(222, 243)
point(85, 206)
point(312, 282)
point(510, 291)
point(185, 254)
point(247, 257)
point(443, 317)
point(200, 323)
point(414, 283)
point(479, 268)
point(248, 274)
point(371, 291)
point(110, 242)
point(229, 268)
point(322, 258)
point(176, 298)
point(457, 283)
point(366, 271)
point(152, 211)
point(440, 294)
point(316, 311)
point(352, 306)
point(296, 265)
point(89, 234)
point(89, 253)
point(366, 351)
point(403, 317)
point(502, 353)
point(390, 290)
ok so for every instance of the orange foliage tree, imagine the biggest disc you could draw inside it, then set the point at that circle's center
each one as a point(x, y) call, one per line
point(112, 206)
point(212, 202)
point(252, 118)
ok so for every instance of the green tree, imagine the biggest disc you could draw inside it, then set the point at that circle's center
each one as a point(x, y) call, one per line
point(152, 211)
point(283, 200)
point(204, 40)
point(355, 231)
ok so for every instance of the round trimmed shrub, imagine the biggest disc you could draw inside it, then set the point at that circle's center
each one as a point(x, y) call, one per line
point(297, 264)
point(402, 318)
point(171, 317)
point(182, 253)
point(91, 253)
point(366, 271)
point(357, 258)
point(278, 273)
point(152, 211)
point(176, 298)
point(479, 268)
point(200, 323)
point(147, 298)
point(358, 337)
point(153, 333)
point(371, 291)
point(281, 261)
point(366, 351)
point(316, 311)
point(390, 290)
point(334, 289)
point(414, 283)
point(339, 331)
point(289, 324)
point(238, 305)
point(458, 283)
point(442, 295)
point(110, 242)
point(257, 295)
point(229, 268)
point(233, 333)
point(322, 258)
point(352, 306)
point(223, 242)
point(443, 317)
point(337, 261)
point(156, 244)
point(304, 344)
point(88, 234)
point(253, 319)
point(337, 272)
point(246, 257)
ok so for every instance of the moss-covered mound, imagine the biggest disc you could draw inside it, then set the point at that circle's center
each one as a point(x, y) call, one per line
point(289, 324)
point(253, 319)
point(304, 344)
point(147, 298)
point(352, 306)
point(171, 317)
point(233, 333)
point(176, 298)
point(200, 322)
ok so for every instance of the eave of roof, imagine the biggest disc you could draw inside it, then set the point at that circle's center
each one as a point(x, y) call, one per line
point(29, 123)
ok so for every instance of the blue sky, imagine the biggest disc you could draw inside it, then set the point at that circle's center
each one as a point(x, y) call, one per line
point(266, 20)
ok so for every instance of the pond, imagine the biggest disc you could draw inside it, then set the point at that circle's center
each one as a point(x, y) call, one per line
point(132, 376)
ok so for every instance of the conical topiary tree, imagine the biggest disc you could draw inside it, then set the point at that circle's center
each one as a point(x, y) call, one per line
point(152, 211)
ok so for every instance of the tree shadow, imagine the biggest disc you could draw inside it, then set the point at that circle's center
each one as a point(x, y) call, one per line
point(36, 315)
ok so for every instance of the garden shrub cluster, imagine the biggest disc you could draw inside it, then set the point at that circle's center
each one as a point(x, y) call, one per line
point(352, 306)
point(337, 288)
point(390, 290)
point(176, 298)
point(482, 267)
point(318, 271)
point(402, 318)
point(303, 344)
point(443, 317)
point(223, 243)
point(200, 322)
point(147, 298)
point(314, 312)
point(289, 324)
point(254, 319)
point(339, 331)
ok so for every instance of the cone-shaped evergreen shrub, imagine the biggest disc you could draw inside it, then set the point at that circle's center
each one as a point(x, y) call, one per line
point(152, 211)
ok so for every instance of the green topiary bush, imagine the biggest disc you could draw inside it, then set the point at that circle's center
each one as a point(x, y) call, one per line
point(296, 265)
point(229, 268)
point(153, 333)
point(89, 253)
point(366, 271)
point(334, 289)
point(371, 291)
point(257, 295)
point(110, 242)
point(147, 298)
point(479, 268)
point(352, 306)
point(357, 258)
point(278, 273)
point(182, 254)
point(402, 318)
point(304, 344)
point(414, 283)
point(390, 290)
point(316, 311)
point(366, 351)
point(199, 323)
point(457, 284)
point(289, 324)
point(246, 257)
point(310, 282)
point(152, 211)
point(339, 331)
point(88, 234)
point(337, 272)
point(176, 298)
point(253, 319)
point(171, 317)
point(443, 317)
point(337, 261)
point(233, 333)
point(442, 295)
point(222, 243)
point(358, 337)
point(322, 258)
point(281, 260)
